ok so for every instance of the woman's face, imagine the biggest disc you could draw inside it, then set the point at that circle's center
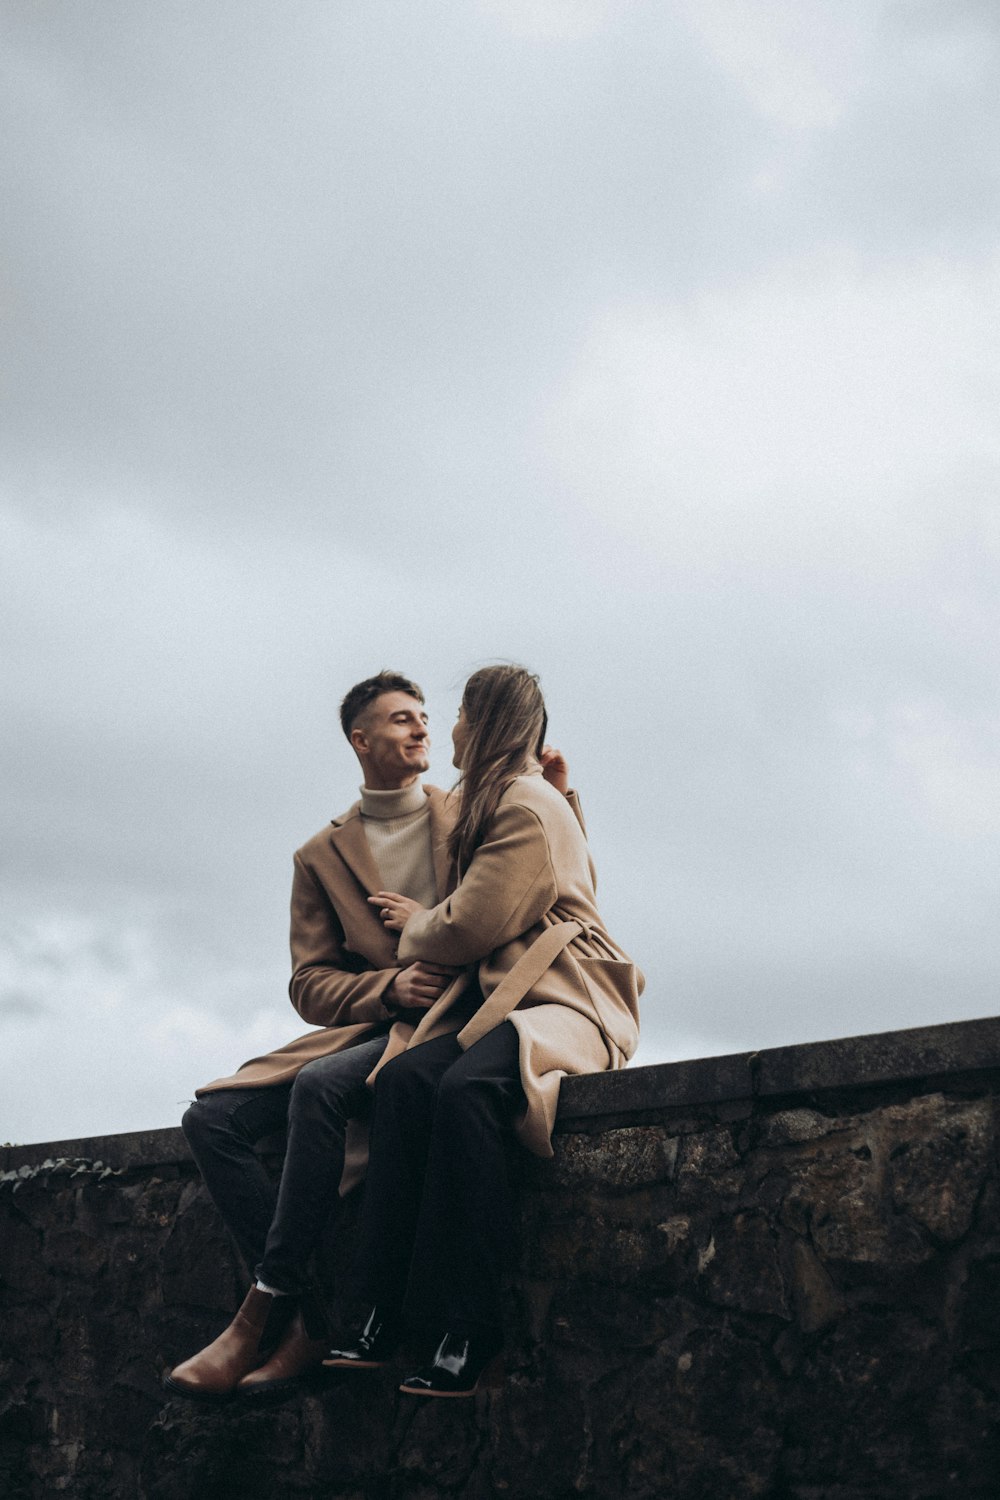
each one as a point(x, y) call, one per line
point(459, 737)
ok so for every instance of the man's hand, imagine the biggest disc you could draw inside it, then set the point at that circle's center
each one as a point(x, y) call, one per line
point(554, 768)
point(419, 985)
point(394, 909)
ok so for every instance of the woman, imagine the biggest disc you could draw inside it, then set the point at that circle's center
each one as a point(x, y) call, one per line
point(555, 995)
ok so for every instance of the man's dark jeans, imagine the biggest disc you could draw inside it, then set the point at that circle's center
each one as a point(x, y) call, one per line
point(277, 1230)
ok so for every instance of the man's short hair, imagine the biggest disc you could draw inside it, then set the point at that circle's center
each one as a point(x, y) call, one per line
point(364, 693)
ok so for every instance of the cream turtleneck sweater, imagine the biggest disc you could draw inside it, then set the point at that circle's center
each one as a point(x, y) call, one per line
point(397, 826)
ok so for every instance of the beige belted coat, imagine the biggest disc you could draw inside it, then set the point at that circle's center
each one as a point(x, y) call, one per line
point(525, 913)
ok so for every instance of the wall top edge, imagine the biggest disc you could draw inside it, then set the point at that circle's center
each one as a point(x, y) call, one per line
point(952, 1049)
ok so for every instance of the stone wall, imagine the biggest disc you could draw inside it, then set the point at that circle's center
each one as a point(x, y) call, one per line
point(770, 1275)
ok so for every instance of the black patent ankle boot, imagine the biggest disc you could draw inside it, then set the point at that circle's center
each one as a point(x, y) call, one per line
point(461, 1366)
point(375, 1344)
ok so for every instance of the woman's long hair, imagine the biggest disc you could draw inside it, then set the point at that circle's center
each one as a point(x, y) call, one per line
point(506, 720)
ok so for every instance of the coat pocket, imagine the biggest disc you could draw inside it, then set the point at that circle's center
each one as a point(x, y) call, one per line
point(613, 987)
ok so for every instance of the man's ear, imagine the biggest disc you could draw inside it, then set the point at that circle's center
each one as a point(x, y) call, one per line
point(359, 741)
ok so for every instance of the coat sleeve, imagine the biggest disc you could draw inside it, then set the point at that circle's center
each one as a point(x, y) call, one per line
point(508, 888)
point(329, 985)
point(573, 798)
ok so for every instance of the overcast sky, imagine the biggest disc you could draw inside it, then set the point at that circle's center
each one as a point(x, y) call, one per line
point(652, 344)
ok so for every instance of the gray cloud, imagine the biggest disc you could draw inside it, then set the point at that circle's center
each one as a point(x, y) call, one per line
point(20, 1006)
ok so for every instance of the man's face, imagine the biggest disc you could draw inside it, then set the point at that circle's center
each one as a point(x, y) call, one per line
point(391, 741)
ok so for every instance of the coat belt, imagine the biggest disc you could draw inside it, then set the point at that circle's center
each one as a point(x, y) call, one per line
point(521, 979)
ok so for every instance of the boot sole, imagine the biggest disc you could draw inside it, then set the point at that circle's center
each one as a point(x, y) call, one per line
point(207, 1398)
point(276, 1389)
point(411, 1390)
point(490, 1378)
point(355, 1364)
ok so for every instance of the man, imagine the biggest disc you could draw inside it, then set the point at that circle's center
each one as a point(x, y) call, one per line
point(345, 979)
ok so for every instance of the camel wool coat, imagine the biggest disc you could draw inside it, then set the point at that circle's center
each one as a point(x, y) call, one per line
point(525, 911)
point(343, 958)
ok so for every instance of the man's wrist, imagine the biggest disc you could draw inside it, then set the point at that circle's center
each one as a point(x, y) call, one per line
point(389, 997)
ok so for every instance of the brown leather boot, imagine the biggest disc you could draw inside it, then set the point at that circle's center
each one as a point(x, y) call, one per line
point(214, 1374)
point(294, 1357)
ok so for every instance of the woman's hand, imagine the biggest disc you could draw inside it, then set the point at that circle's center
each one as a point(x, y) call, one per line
point(394, 909)
point(554, 768)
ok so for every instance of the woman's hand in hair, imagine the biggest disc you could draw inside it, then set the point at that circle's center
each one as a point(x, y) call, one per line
point(394, 909)
point(554, 768)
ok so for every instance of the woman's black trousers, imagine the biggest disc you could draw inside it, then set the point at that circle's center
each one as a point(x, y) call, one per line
point(439, 1208)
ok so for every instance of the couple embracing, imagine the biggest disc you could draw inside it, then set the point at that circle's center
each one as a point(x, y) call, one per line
point(450, 949)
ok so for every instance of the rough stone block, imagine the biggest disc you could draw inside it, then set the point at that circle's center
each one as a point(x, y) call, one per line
point(788, 1126)
point(708, 1419)
point(835, 1196)
point(599, 1248)
point(939, 1154)
point(628, 1158)
point(24, 1272)
point(708, 1153)
point(743, 1268)
point(815, 1298)
point(708, 1168)
point(197, 1263)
